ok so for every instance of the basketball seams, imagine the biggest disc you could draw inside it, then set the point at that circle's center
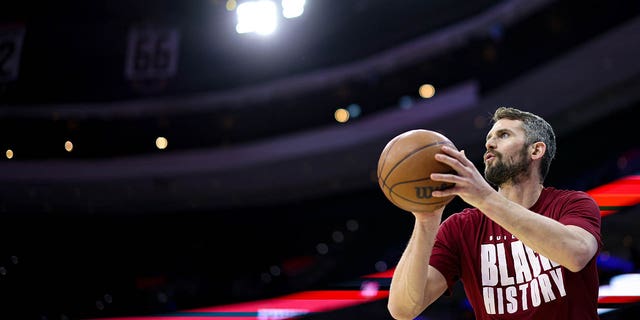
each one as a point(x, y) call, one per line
point(384, 181)
point(384, 158)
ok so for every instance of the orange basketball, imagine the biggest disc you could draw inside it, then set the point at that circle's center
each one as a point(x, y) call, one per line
point(405, 166)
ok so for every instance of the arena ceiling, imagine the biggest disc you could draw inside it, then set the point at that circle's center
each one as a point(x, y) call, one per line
point(74, 51)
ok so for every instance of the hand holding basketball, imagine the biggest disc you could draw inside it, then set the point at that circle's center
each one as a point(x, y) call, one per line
point(404, 170)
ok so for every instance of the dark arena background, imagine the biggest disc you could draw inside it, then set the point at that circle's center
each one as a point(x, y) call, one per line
point(171, 160)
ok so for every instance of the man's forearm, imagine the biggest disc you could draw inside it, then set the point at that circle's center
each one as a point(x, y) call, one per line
point(408, 294)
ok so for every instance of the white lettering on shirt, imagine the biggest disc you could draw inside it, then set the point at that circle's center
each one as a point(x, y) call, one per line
point(508, 288)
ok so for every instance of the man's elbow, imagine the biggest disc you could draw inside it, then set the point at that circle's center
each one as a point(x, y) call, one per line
point(580, 259)
point(577, 264)
point(402, 312)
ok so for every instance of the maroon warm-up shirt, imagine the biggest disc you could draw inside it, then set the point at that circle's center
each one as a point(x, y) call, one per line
point(505, 279)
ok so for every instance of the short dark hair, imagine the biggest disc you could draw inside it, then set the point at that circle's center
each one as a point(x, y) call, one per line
point(535, 129)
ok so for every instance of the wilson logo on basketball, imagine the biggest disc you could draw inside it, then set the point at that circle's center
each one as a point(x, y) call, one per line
point(424, 192)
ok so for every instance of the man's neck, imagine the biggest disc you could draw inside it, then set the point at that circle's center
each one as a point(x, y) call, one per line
point(524, 193)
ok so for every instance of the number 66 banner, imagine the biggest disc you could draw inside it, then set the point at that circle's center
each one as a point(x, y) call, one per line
point(152, 53)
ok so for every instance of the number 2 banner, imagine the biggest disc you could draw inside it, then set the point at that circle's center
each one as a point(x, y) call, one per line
point(11, 38)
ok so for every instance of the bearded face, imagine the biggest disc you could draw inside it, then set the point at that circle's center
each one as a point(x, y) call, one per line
point(507, 169)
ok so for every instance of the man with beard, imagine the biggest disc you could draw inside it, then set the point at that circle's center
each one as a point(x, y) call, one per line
point(523, 251)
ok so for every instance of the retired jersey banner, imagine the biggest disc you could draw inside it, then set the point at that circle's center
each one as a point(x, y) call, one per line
point(11, 38)
point(152, 53)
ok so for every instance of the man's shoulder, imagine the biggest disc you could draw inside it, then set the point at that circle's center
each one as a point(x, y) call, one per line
point(556, 193)
point(572, 198)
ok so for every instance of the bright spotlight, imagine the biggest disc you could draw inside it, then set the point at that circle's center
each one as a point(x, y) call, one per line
point(259, 16)
point(292, 8)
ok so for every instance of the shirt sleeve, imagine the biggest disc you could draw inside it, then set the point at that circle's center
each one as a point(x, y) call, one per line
point(444, 255)
point(582, 210)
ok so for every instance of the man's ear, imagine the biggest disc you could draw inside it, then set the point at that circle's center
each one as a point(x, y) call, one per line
point(538, 149)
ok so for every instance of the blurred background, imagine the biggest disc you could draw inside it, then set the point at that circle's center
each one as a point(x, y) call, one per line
point(177, 158)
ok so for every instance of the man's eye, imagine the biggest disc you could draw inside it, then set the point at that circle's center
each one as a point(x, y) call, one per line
point(504, 135)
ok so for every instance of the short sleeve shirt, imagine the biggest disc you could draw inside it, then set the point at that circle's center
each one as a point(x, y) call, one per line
point(505, 279)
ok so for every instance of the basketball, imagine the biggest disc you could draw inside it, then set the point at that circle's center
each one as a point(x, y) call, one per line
point(405, 166)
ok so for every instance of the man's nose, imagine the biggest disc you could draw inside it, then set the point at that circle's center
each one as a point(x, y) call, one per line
point(490, 144)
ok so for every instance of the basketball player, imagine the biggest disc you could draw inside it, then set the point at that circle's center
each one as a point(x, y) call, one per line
point(523, 251)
